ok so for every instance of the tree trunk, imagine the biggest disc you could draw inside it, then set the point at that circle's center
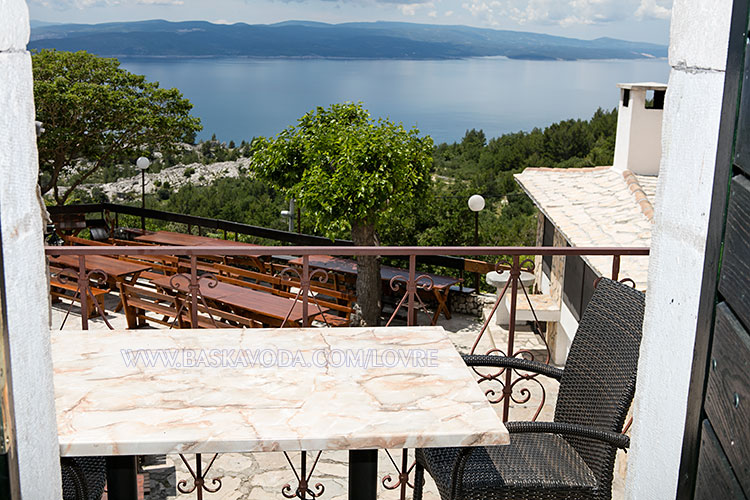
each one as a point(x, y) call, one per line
point(369, 288)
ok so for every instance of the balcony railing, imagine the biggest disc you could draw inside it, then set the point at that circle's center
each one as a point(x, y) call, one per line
point(501, 386)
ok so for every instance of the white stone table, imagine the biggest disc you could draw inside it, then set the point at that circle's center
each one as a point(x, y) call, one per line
point(144, 392)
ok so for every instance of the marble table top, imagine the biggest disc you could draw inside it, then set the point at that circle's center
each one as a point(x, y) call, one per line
point(141, 392)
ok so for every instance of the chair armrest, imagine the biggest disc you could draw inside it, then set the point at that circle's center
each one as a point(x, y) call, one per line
point(516, 363)
point(565, 429)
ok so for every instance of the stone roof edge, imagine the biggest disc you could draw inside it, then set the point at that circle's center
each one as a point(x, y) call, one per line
point(568, 169)
point(536, 202)
point(552, 221)
point(640, 196)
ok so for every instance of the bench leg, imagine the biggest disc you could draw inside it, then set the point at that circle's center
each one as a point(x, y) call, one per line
point(100, 301)
point(442, 300)
point(91, 313)
point(131, 317)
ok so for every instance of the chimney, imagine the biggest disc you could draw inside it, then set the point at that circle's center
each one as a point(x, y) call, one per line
point(638, 142)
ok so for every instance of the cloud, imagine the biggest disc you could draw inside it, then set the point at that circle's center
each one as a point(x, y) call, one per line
point(73, 4)
point(566, 12)
point(658, 9)
point(85, 4)
point(410, 7)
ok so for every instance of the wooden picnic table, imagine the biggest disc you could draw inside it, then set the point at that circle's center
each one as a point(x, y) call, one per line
point(185, 240)
point(267, 308)
point(118, 271)
point(440, 284)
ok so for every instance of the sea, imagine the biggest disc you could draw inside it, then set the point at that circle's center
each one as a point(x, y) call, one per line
point(241, 98)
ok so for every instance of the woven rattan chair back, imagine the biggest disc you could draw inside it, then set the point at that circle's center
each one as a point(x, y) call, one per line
point(598, 383)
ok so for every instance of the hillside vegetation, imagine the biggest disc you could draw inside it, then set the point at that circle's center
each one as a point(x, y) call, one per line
point(438, 216)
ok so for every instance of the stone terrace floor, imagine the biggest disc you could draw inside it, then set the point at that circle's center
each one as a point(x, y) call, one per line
point(263, 475)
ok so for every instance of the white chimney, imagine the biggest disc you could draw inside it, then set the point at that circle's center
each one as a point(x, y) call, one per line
point(638, 142)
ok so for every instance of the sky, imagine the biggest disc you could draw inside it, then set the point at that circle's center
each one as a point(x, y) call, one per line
point(638, 20)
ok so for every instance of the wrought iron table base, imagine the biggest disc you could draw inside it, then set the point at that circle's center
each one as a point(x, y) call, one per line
point(363, 476)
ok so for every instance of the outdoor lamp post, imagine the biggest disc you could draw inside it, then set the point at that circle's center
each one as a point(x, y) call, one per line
point(142, 164)
point(476, 204)
point(289, 215)
point(285, 214)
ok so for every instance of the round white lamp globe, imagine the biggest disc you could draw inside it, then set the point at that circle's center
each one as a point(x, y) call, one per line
point(142, 163)
point(476, 203)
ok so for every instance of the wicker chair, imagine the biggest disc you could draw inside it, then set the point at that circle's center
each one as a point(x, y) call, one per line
point(573, 456)
point(83, 478)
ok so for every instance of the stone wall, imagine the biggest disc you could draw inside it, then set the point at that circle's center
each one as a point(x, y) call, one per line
point(37, 451)
point(469, 303)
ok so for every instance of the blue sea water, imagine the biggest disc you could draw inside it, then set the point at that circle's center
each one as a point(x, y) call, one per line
point(241, 98)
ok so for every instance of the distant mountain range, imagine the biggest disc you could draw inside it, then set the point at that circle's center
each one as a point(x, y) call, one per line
point(378, 40)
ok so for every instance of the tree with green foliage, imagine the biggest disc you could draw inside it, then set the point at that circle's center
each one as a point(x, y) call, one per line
point(568, 143)
point(95, 112)
point(347, 171)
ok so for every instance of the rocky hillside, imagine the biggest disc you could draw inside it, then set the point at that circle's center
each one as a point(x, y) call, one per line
point(171, 178)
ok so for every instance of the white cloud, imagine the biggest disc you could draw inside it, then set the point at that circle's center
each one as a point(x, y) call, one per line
point(410, 9)
point(448, 13)
point(85, 4)
point(159, 2)
point(565, 12)
point(72, 4)
point(659, 9)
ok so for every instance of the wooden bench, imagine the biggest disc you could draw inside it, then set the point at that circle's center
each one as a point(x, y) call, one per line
point(343, 283)
point(127, 243)
point(161, 265)
point(174, 311)
point(58, 289)
point(75, 240)
point(245, 261)
point(326, 298)
point(462, 289)
point(183, 266)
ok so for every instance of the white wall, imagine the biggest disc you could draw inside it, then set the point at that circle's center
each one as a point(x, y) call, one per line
point(644, 153)
point(697, 55)
point(622, 139)
point(566, 332)
point(638, 144)
point(23, 256)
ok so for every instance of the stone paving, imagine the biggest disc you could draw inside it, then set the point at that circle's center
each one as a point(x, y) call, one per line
point(263, 475)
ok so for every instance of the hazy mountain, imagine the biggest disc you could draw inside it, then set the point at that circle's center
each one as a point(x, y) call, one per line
point(39, 24)
point(379, 40)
